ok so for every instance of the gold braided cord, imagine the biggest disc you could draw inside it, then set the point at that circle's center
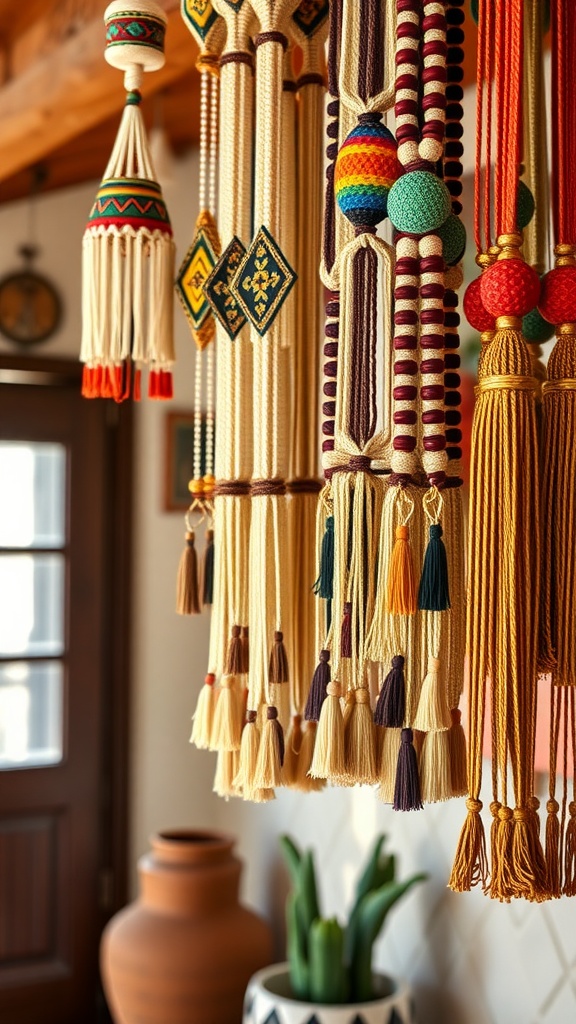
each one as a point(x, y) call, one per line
point(563, 384)
point(506, 382)
point(535, 136)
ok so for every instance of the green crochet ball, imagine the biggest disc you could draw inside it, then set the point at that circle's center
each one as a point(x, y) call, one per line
point(453, 235)
point(535, 328)
point(418, 203)
point(526, 205)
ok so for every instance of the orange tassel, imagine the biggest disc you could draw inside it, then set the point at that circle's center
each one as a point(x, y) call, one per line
point(401, 585)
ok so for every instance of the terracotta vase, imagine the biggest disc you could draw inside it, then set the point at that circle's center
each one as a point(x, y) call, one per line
point(184, 951)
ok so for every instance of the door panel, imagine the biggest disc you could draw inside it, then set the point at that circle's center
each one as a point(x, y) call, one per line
point(57, 453)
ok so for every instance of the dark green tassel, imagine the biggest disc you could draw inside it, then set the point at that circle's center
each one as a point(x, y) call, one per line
point(324, 585)
point(433, 593)
point(208, 575)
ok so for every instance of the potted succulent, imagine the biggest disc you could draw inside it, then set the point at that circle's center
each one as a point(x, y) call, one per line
point(329, 978)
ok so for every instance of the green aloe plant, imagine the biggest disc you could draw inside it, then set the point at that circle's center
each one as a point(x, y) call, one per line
point(330, 963)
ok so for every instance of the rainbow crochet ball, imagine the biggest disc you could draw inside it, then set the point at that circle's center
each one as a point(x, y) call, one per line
point(418, 203)
point(474, 309)
point(453, 235)
point(535, 328)
point(509, 288)
point(557, 301)
point(366, 169)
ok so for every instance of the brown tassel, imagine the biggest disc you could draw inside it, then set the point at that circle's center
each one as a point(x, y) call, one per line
point(435, 776)
point(245, 650)
point(569, 888)
point(207, 573)
point(433, 713)
point(328, 760)
point(401, 592)
point(458, 759)
point(227, 728)
point(270, 753)
point(553, 849)
point(203, 718)
point(187, 593)
point(278, 667)
point(359, 756)
point(292, 753)
point(346, 636)
point(234, 654)
point(470, 866)
point(304, 781)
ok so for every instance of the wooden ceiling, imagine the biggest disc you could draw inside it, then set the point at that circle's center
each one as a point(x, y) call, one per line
point(60, 102)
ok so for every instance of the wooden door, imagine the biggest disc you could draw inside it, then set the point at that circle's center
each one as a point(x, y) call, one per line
point(59, 784)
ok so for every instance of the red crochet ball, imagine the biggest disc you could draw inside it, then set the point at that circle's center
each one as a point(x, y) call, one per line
point(509, 288)
point(474, 310)
point(558, 296)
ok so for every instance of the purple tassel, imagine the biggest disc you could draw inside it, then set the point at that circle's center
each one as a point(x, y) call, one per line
point(407, 788)
point(317, 693)
point(272, 714)
point(391, 705)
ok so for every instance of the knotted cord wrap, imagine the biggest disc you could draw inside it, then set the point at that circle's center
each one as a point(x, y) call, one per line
point(127, 250)
point(558, 594)
point(504, 531)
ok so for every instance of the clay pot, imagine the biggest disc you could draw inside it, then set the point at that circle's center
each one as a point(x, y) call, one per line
point(184, 951)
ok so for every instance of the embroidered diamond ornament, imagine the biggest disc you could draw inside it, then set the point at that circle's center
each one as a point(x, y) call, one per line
point(199, 15)
point(263, 281)
point(217, 289)
point(310, 15)
point(197, 265)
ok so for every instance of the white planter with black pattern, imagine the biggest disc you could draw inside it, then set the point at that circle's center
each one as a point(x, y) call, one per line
point(268, 1001)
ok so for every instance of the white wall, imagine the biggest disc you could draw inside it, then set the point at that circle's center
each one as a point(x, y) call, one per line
point(471, 961)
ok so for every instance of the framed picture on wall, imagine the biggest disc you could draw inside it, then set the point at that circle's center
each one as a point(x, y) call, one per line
point(179, 429)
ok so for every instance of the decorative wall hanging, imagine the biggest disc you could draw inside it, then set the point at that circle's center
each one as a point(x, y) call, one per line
point(194, 590)
point(128, 252)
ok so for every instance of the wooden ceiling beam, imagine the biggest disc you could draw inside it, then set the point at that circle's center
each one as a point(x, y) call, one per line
point(70, 88)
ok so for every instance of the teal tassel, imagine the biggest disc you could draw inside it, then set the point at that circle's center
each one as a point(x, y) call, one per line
point(323, 586)
point(433, 593)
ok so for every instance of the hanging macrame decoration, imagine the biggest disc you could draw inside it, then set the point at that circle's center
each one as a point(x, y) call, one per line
point(194, 588)
point(128, 252)
point(557, 304)
point(504, 529)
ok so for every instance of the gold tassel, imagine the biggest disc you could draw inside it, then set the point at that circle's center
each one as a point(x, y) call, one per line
point(304, 781)
point(227, 727)
point(435, 775)
point(226, 774)
point(359, 741)
point(292, 752)
point(187, 592)
point(433, 712)
point(328, 760)
point(458, 759)
point(203, 717)
point(470, 865)
point(268, 773)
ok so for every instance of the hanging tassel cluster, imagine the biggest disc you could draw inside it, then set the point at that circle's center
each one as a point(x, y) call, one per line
point(521, 543)
point(128, 251)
